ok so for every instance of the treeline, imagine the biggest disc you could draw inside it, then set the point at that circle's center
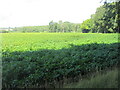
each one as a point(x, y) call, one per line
point(105, 20)
point(52, 27)
point(31, 29)
point(64, 27)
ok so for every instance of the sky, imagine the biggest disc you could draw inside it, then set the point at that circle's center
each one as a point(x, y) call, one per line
point(16, 13)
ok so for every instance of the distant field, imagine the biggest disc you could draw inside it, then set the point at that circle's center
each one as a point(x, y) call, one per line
point(35, 41)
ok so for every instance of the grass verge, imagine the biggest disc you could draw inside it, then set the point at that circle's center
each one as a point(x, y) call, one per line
point(108, 79)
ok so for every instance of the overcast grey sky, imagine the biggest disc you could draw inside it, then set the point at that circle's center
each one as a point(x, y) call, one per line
point(14, 13)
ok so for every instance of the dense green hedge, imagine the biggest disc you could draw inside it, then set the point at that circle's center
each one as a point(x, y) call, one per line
point(35, 68)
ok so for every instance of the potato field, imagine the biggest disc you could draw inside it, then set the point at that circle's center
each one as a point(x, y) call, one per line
point(48, 59)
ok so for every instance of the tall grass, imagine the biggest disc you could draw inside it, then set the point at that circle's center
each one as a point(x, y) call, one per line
point(108, 79)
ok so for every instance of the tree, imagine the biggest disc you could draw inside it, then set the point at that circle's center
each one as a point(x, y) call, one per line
point(51, 24)
point(106, 19)
point(87, 25)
